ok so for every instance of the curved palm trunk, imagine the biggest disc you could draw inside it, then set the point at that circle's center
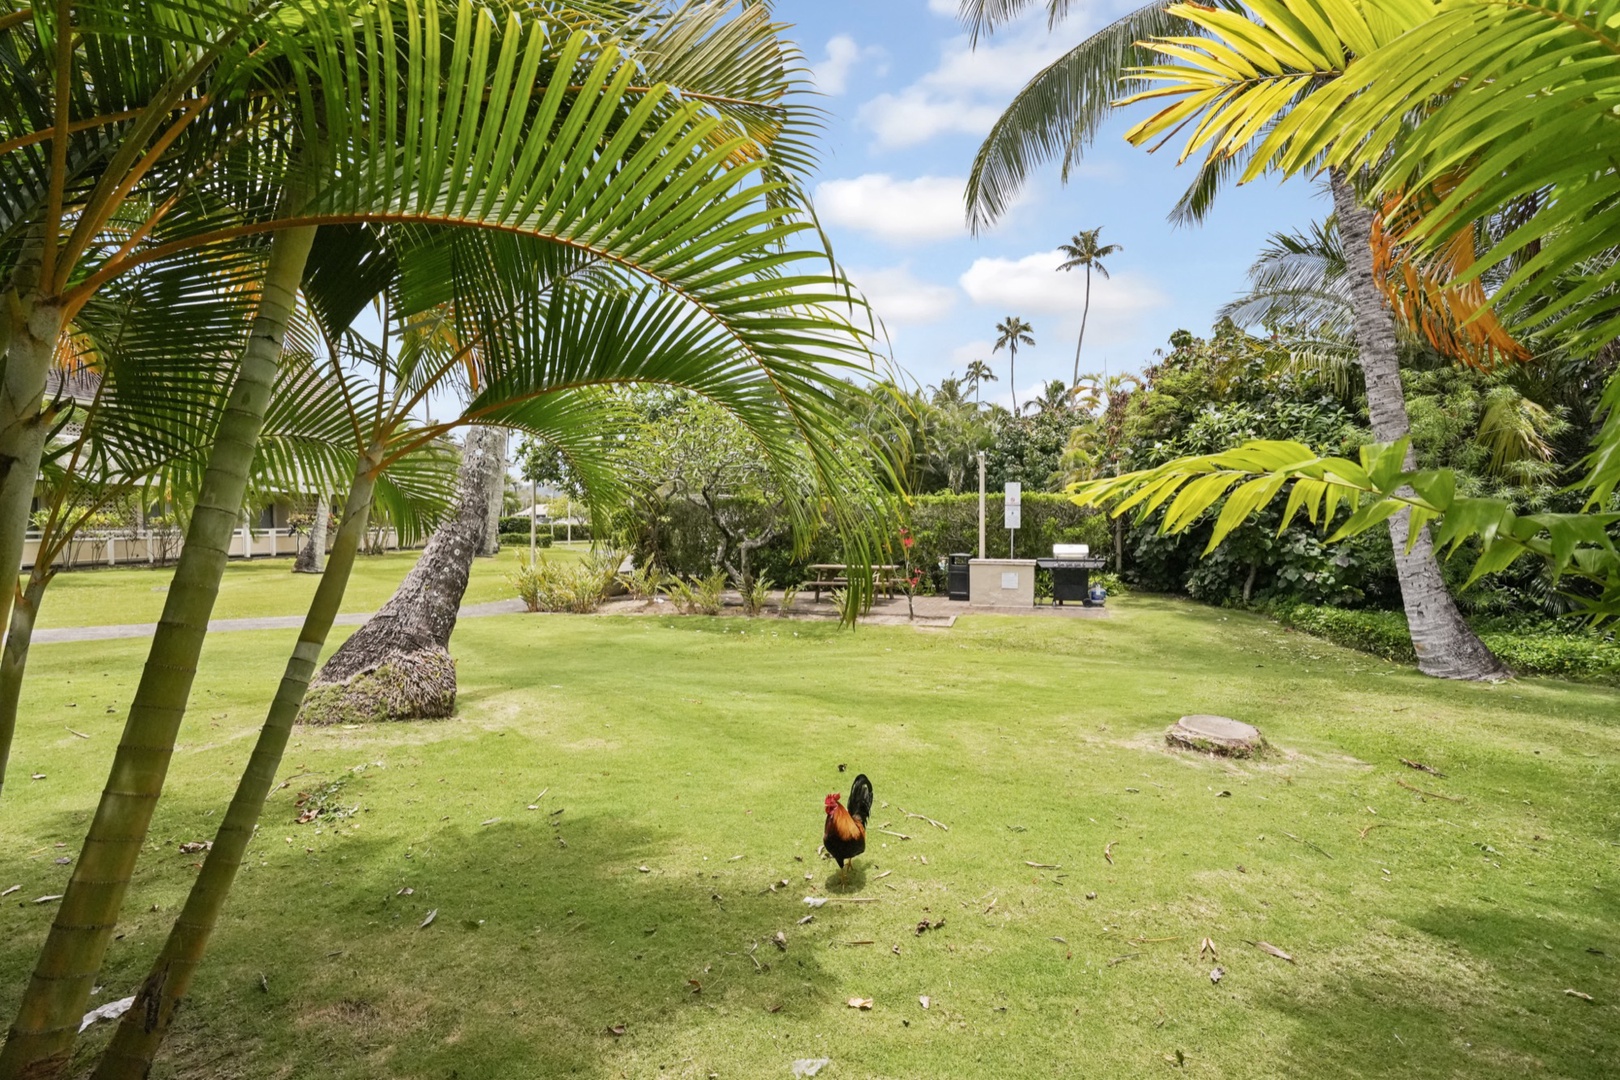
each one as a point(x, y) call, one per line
point(398, 666)
point(1085, 312)
point(1446, 647)
point(14, 660)
point(41, 1038)
point(144, 1027)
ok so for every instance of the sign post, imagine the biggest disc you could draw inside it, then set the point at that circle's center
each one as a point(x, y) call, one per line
point(1013, 512)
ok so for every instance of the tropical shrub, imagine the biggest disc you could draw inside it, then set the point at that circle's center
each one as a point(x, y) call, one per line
point(576, 587)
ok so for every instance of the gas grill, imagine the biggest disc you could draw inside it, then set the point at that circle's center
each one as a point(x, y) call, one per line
point(1071, 566)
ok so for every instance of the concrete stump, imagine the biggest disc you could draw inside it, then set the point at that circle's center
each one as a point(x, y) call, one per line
point(1216, 735)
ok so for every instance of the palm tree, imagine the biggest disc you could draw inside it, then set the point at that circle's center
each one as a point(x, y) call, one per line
point(978, 373)
point(685, 189)
point(1055, 399)
point(1012, 332)
point(1084, 250)
point(1409, 112)
point(1061, 110)
point(1246, 124)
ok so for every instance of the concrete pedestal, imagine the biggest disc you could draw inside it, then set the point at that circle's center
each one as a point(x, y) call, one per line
point(1001, 583)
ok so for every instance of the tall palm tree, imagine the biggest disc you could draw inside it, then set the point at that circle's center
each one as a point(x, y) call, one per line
point(1012, 332)
point(978, 373)
point(479, 122)
point(1084, 250)
point(1244, 123)
point(1060, 112)
point(1410, 111)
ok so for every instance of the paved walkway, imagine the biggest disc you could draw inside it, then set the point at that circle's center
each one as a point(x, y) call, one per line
point(932, 612)
point(277, 622)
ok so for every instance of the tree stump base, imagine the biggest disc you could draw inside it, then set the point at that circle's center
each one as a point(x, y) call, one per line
point(402, 686)
point(1218, 735)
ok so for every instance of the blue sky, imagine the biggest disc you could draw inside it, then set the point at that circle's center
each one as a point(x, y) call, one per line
point(909, 102)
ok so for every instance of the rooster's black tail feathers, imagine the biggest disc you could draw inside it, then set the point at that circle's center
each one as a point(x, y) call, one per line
point(860, 799)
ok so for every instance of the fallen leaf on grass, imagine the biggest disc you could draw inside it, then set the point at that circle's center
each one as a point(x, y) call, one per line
point(697, 987)
point(490, 821)
point(807, 919)
point(191, 847)
point(773, 1009)
point(1223, 794)
point(406, 891)
point(925, 1001)
point(876, 877)
point(895, 949)
point(860, 1003)
point(81, 734)
point(65, 860)
point(1420, 767)
point(37, 776)
point(1060, 941)
point(810, 1066)
point(8, 892)
point(48, 899)
point(645, 869)
point(1207, 946)
point(1043, 865)
point(780, 941)
point(616, 1030)
point(1122, 959)
point(427, 922)
point(1215, 975)
point(1269, 948)
point(1108, 851)
point(1578, 994)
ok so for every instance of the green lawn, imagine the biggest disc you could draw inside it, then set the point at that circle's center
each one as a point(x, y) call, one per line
point(258, 587)
point(688, 759)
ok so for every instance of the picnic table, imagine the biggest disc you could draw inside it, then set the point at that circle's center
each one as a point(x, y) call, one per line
point(836, 576)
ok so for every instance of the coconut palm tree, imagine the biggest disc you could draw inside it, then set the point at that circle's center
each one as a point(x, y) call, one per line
point(1041, 123)
point(1012, 332)
point(1083, 250)
point(541, 124)
point(1241, 122)
point(977, 374)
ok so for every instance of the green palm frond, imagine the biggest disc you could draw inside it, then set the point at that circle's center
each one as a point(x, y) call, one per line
point(1057, 115)
point(1522, 96)
point(1349, 497)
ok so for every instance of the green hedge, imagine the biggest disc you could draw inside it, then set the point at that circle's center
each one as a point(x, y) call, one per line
point(521, 539)
point(1556, 652)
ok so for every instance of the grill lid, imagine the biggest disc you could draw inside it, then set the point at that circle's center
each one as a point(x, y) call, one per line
point(1070, 551)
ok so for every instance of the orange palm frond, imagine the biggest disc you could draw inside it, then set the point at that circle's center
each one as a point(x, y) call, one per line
point(1424, 294)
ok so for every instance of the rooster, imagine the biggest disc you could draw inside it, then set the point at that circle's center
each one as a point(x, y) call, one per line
point(845, 834)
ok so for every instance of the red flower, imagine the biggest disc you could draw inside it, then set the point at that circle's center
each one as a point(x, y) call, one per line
point(905, 538)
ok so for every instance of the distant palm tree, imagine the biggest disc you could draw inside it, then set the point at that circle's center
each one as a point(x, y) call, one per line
point(1084, 250)
point(1054, 398)
point(1013, 332)
point(977, 374)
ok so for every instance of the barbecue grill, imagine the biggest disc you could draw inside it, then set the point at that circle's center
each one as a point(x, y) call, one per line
point(1070, 566)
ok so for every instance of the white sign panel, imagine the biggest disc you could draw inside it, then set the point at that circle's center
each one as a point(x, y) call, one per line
point(1013, 506)
point(1009, 580)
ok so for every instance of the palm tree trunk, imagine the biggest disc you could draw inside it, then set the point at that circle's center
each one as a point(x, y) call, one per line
point(41, 1038)
point(30, 328)
point(144, 1027)
point(398, 666)
point(1446, 647)
point(1085, 312)
point(14, 660)
point(1012, 375)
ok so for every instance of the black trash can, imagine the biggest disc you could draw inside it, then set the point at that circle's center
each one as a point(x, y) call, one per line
point(956, 576)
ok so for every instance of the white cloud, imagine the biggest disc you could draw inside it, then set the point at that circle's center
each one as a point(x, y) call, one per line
point(968, 89)
point(831, 75)
point(948, 8)
point(900, 211)
point(899, 297)
point(1033, 285)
